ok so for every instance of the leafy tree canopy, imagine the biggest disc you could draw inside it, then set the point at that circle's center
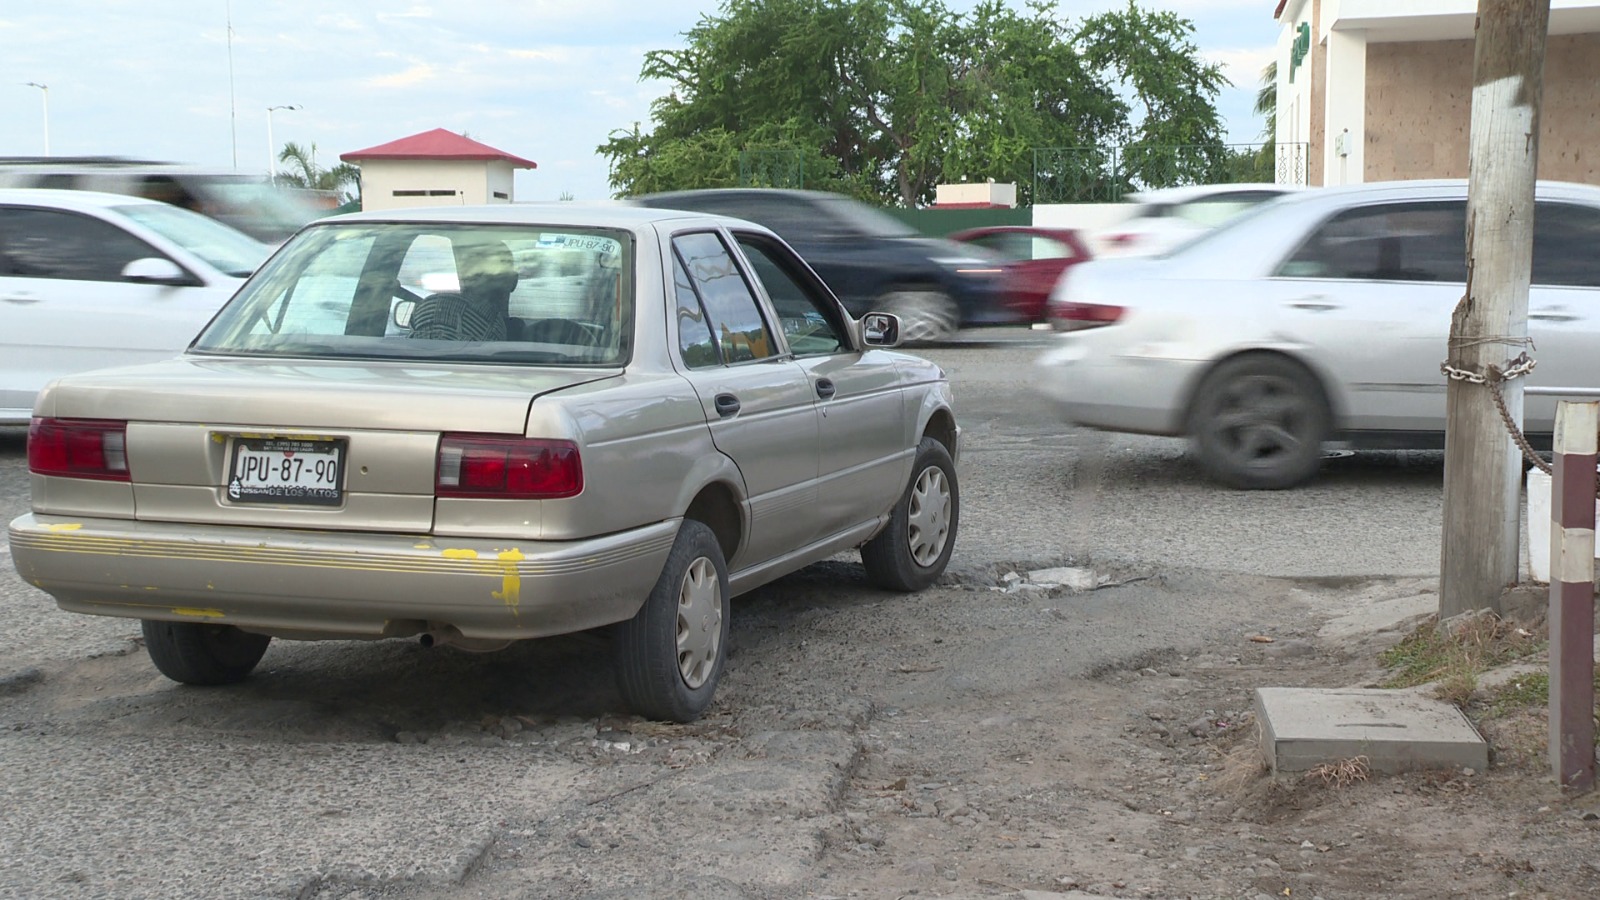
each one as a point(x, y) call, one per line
point(303, 172)
point(888, 98)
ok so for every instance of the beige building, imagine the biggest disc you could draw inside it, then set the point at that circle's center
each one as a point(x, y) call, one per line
point(435, 168)
point(1382, 89)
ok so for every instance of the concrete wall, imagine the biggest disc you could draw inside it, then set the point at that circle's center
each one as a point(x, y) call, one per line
point(445, 183)
point(1088, 217)
point(1419, 109)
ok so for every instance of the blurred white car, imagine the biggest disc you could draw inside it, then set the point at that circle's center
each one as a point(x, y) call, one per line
point(1163, 219)
point(1322, 316)
point(90, 280)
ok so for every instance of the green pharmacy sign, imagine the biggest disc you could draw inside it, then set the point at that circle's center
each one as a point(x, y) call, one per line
point(1301, 47)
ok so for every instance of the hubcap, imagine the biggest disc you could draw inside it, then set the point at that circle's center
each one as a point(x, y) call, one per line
point(1261, 419)
point(699, 622)
point(924, 315)
point(929, 516)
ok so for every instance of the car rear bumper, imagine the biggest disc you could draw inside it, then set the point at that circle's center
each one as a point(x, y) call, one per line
point(323, 584)
point(1143, 395)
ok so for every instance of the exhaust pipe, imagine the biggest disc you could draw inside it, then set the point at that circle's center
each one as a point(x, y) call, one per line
point(448, 636)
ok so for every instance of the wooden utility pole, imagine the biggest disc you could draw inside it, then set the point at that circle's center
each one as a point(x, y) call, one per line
point(1482, 466)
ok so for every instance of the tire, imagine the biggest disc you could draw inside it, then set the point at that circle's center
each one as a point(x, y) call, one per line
point(913, 549)
point(669, 657)
point(1258, 423)
point(203, 654)
point(927, 315)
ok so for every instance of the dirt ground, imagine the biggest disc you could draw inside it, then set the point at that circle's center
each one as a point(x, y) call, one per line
point(977, 759)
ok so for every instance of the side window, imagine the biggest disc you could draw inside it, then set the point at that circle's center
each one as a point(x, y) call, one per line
point(1565, 236)
point(810, 320)
point(48, 243)
point(695, 343)
point(1387, 242)
point(1009, 244)
point(741, 333)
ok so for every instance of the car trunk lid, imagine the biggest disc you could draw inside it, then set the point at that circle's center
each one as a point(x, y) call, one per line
point(196, 424)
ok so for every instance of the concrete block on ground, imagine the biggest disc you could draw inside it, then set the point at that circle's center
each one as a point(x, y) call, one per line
point(1397, 731)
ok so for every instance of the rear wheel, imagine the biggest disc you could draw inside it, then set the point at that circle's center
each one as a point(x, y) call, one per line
point(1258, 422)
point(913, 549)
point(926, 314)
point(201, 653)
point(669, 656)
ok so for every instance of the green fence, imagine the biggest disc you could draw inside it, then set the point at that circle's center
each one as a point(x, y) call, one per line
point(940, 222)
point(1105, 174)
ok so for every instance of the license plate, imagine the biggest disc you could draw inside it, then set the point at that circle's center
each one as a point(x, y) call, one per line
point(287, 470)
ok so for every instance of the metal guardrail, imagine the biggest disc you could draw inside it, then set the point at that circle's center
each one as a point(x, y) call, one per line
point(1560, 392)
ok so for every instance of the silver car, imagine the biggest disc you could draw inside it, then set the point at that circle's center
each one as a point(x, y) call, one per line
point(1320, 316)
point(481, 425)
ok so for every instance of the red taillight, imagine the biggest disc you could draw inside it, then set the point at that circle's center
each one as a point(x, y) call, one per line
point(472, 465)
point(79, 448)
point(1075, 316)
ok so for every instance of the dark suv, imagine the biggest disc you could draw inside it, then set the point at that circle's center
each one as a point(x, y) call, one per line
point(871, 260)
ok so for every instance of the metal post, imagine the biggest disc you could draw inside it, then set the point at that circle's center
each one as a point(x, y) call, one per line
point(1572, 521)
point(44, 91)
point(272, 149)
point(1482, 467)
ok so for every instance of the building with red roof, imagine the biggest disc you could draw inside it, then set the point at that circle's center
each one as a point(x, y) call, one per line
point(435, 168)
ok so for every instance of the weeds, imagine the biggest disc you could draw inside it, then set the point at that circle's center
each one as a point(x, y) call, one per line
point(1455, 657)
point(1342, 773)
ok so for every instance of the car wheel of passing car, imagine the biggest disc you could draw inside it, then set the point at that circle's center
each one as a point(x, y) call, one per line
point(1258, 422)
point(926, 315)
point(202, 653)
point(669, 656)
point(913, 549)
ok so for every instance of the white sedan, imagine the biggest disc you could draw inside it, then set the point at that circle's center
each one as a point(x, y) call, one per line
point(1318, 317)
point(90, 279)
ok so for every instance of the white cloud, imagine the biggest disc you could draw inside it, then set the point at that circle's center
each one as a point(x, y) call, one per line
point(1242, 65)
point(418, 73)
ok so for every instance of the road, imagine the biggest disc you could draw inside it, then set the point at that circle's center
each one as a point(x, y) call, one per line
point(350, 770)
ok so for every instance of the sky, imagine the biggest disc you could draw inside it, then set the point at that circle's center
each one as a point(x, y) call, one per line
point(546, 80)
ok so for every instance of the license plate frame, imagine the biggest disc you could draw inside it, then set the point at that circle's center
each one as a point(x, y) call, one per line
point(274, 470)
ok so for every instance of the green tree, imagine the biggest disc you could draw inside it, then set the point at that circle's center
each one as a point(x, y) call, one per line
point(887, 98)
point(343, 179)
point(1267, 108)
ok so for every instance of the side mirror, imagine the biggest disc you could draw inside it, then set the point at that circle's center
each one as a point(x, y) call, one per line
point(156, 270)
point(402, 312)
point(880, 329)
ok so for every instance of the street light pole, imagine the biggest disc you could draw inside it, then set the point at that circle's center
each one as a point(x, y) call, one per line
point(44, 91)
point(272, 148)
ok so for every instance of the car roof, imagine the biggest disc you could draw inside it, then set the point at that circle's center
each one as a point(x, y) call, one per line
point(598, 215)
point(1190, 192)
point(1422, 189)
point(70, 199)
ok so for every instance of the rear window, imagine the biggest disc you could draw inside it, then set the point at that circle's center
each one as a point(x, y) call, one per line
point(542, 295)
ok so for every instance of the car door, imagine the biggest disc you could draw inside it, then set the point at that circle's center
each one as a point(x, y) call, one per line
point(866, 442)
point(757, 400)
point(1369, 293)
point(1563, 306)
point(65, 305)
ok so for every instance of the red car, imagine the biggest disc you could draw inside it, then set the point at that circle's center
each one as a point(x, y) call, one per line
point(1035, 259)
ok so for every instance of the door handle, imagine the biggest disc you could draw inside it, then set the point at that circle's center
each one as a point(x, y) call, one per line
point(1553, 315)
point(20, 298)
point(1314, 304)
point(825, 388)
point(727, 405)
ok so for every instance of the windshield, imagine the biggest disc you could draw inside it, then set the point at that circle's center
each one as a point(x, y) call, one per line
point(223, 248)
point(526, 294)
point(1239, 219)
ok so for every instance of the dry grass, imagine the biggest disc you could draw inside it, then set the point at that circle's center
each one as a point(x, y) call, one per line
point(1240, 767)
point(1453, 658)
point(1341, 773)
